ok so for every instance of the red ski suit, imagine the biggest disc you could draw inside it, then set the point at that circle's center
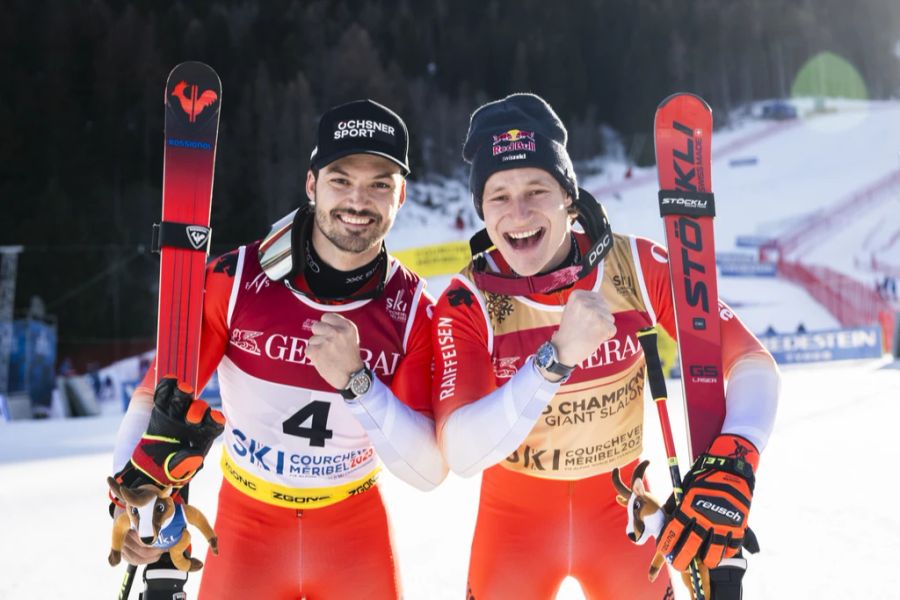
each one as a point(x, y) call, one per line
point(548, 509)
point(300, 514)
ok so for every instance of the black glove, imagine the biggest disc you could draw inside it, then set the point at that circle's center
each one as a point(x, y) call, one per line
point(179, 435)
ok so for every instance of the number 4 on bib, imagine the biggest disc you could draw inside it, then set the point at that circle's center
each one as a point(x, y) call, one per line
point(318, 432)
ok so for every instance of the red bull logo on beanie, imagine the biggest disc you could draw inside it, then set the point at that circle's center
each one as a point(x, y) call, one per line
point(514, 140)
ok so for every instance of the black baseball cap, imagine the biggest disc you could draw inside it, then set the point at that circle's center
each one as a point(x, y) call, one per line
point(361, 127)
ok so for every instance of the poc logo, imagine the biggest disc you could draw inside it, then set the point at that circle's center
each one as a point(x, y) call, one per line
point(601, 249)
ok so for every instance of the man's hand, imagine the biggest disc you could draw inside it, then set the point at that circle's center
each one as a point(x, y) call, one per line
point(586, 323)
point(179, 435)
point(334, 349)
point(136, 553)
point(711, 521)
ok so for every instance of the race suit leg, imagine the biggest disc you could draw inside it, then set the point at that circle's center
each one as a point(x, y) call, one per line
point(605, 561)
point(340, 551)
point(531, 533)
point(520, 549)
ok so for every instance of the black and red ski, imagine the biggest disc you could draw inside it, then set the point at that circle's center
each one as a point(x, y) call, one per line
point(193, 98)
point(683, 134)
point(192, 101)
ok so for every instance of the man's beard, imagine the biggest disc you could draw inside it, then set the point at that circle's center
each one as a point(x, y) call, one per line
point(334, 231)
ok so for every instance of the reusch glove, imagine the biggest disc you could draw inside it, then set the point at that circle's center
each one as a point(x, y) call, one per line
point(179, 435)
point(711, 521)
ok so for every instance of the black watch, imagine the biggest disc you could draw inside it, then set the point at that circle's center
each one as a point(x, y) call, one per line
point(546, 358)
point(360, 383)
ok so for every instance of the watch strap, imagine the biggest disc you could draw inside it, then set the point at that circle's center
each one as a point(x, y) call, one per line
point(557, 368)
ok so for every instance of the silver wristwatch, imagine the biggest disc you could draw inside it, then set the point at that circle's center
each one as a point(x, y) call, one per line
point(359, 384)
point(546, 358)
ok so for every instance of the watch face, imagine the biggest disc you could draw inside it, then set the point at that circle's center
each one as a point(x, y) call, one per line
point(545, 355)
point(360, 384)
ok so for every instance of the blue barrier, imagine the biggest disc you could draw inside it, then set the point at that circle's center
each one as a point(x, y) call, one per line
point(834, 344)
point(738, 257)
point(747, 269)
point(752, 241)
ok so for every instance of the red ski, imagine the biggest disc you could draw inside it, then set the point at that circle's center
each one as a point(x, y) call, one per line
point(683, 133)
point(193, 98)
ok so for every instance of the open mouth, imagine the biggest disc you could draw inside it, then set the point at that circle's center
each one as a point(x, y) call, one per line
point(354, 220)
point(524, 240)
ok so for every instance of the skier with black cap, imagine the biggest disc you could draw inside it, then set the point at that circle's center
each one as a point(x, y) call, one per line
point(539, 378)
point(322, 343)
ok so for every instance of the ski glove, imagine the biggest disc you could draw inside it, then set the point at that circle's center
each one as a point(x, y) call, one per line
point(179, 435)
point(711, 521)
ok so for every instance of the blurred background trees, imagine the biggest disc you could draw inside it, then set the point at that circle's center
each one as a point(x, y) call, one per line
point(82, 86)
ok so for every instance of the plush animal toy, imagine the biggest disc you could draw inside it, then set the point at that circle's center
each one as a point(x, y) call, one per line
point(160, 522)
point(646, 519)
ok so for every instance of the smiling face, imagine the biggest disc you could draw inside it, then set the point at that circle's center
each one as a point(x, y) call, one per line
point(525, 213)
point(356, 201)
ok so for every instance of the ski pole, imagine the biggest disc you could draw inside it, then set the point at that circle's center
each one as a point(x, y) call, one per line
point(657, 381)
point(125, 589)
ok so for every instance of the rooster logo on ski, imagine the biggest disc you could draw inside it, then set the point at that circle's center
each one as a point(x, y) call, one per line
point(193, 104)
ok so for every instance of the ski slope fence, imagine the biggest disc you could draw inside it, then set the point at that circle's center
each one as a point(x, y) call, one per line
point(851, 302)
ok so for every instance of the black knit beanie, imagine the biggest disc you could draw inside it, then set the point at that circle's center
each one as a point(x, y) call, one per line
point(519, 131)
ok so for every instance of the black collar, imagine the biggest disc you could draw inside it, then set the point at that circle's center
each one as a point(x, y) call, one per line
point(324, 281)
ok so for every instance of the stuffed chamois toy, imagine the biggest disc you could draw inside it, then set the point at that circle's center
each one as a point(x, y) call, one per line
point(160, 522)
point(646, 519)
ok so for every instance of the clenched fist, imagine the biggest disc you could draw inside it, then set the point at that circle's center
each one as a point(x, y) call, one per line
point(334, 349)
point(586, 323)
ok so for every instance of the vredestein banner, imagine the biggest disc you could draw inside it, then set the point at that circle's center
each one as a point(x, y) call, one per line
point(833, 344)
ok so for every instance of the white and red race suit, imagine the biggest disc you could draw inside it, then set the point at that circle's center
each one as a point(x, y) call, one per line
point(546, 449)
point(300, 463)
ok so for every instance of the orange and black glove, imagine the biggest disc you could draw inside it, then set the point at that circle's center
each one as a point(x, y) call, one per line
point(711, 521)
point(179, 435)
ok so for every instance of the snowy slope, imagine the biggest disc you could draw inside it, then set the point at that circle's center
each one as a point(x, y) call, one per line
point(830, 457)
